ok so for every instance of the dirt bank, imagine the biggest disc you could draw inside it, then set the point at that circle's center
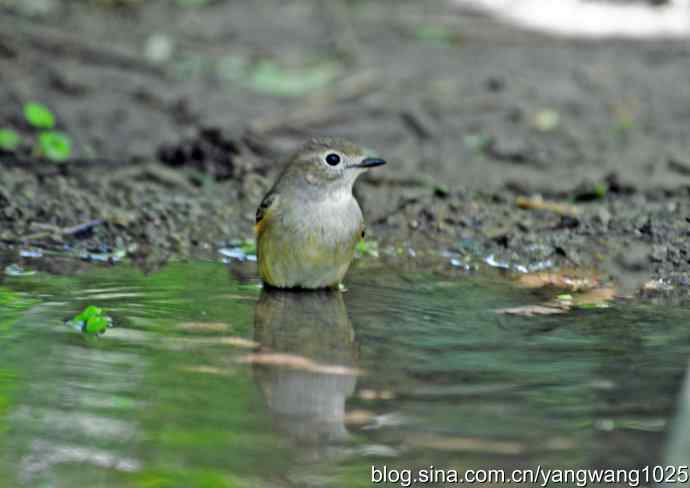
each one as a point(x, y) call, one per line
point(178, 115)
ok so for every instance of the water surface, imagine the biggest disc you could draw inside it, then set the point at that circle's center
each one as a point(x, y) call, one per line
point(207, 381)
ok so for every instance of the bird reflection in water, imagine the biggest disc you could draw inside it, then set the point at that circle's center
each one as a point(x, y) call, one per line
point(311, 340)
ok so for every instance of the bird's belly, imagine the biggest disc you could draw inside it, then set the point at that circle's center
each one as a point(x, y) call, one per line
point(320, 265)
point(316, 257)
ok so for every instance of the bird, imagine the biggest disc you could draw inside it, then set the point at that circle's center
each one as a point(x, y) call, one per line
point(309, 222)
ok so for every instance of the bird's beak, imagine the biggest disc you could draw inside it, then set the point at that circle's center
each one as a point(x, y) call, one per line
point(369, 163)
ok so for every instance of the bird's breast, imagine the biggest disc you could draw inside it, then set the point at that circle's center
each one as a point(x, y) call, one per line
point(310, 244)
point(332, 221)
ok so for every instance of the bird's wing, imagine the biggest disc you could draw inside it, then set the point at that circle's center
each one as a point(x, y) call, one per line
point(264, 211)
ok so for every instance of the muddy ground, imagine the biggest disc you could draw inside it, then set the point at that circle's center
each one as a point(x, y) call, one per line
point(180, 113)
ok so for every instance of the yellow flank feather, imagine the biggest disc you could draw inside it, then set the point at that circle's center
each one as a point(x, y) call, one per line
point(263, 223)
point(260, 226)
point(262, 248)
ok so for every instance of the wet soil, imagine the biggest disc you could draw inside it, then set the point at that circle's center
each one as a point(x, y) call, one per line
point(176, 135)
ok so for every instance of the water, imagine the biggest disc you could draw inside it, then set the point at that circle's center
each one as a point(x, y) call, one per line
point(207, 381)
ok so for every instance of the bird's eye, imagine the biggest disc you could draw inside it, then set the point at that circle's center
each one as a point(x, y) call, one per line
point(333, 159)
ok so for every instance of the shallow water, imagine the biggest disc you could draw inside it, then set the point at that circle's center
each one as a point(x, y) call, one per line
point(207, 381)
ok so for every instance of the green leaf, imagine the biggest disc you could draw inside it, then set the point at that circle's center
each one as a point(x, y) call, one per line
point(39, 115)
point(56, 146)
point(88, 312)
point(9, 139)
point(96, 325)
point(91, 320)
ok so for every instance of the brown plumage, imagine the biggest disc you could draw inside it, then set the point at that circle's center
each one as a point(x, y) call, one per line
point(309, 222)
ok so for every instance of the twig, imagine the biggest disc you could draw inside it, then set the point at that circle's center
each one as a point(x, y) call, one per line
point(81, 228)
point(418, 123)
point(50, 230)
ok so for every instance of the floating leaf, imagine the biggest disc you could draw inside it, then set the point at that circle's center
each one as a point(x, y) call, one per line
point(91, 320)
point(88, 312)
point(38, 115)
point(96, 325)
point(293, 361)
point(470, 444)
point(574, 280)
point(241, 342)
point(565, 302)
point(204, 326)
point(9, 139)
point(206, 370)
point(56, 146)
point(596, 298)
point(531, 310)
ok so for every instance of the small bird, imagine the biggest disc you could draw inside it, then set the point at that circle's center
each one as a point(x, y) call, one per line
point(309, 222)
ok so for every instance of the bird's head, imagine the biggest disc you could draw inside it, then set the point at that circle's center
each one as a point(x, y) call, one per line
point(330, 164)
